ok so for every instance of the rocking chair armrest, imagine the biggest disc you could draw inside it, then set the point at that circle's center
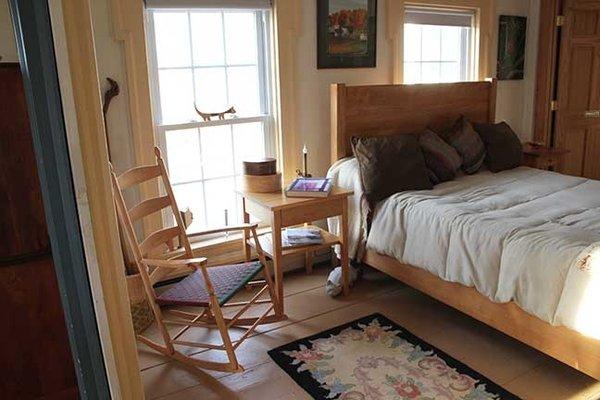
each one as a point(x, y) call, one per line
point(176, 263)
point(240, 227)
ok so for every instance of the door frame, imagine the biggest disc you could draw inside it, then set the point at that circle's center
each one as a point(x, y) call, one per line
point(91, 276)
point(547, 71)
point(33, 34)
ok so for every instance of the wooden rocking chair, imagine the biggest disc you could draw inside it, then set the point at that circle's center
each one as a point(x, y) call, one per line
point(208, 287)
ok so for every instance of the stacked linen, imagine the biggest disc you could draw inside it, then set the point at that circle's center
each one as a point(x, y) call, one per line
point(302, 237)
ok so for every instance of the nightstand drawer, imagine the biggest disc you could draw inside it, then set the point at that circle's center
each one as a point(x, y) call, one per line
point(314, 212)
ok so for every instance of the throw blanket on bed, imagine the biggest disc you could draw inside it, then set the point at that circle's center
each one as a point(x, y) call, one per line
point(525, 235)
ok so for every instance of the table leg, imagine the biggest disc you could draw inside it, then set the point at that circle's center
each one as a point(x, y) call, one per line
point(277, 261)
point(345, 263)
point(308, 262)
point(247, 248)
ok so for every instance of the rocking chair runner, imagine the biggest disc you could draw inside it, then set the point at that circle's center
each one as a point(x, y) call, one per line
point(207, 287)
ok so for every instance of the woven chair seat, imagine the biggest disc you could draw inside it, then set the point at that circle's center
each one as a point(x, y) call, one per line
point(227, 280)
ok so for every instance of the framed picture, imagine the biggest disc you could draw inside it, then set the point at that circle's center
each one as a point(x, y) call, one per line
point(346, 33)
point(511, 47)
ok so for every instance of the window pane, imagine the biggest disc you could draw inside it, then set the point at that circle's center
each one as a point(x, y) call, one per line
point(183, 155)
point(220, 196)
point(430, 72)
point(451, 43)
point(176, 95)
point(172, 39)
point(207, 38)
point(412, 42)
point(240, 37)
point(412, 72)
point(450, 72)
point(211, 89)
point(431, 43)
point(249, 142)
point(217, 156)
point(243, 90)
point(191, 196)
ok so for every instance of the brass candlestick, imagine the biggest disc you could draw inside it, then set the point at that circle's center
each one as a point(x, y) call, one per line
point(304, 172)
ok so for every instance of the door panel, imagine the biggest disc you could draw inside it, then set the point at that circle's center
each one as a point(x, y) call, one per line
point(578, 115)
point(578, 93)
point(585, 23)
point(575, 143)
point(591, 166)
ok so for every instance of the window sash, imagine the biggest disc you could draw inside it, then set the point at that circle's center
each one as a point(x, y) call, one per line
point(262, 62)
point(439, 17)
point(467, 56)
point(209, 4)
point(267, 122)
point(265, 115)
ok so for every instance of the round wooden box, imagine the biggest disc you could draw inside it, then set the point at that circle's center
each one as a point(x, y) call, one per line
point(261, 183)
point(260, 166)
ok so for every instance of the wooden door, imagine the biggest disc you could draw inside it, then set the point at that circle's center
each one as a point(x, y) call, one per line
point(35, 356)
point(23, 230)
point(578, 115)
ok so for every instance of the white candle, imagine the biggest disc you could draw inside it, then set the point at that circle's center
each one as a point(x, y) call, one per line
point(304, 160)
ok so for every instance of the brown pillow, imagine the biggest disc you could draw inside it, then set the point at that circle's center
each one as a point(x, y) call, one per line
point(390, 164)
point(441, 159)
point(503, 147)
point(467, 143)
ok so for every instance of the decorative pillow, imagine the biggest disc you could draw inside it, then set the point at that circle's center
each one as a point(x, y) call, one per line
point(390, 164)
point(441, 159)
point(467, 143)
point(503, 147)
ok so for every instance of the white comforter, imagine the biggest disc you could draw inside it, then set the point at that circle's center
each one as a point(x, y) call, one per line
point(525, 235)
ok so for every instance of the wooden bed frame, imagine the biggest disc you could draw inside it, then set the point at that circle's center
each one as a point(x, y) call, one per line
point(396, 109)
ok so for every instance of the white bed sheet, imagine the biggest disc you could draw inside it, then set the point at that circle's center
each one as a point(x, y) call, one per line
point(523, 235)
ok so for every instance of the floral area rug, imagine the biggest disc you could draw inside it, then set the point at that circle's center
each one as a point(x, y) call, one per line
point(374, 358)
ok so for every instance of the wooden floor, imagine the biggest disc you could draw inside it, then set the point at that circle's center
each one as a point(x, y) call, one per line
point(518, 368)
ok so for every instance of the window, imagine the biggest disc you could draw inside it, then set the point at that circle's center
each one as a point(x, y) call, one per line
point(438, 45)
point(211, 59)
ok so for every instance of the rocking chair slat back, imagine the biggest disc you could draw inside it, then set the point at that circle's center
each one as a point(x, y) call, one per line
point(138, 175)
point(149, 207)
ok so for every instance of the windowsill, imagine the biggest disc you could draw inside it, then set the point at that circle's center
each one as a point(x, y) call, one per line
point(222, 239)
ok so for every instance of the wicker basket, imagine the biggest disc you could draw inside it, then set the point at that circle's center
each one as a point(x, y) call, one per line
point(141, 312)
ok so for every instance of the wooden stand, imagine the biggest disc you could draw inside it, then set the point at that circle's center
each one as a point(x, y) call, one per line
point(281, 211)
point(542, 157)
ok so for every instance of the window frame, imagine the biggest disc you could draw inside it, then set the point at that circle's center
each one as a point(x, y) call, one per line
point(468, 52)
point(267, 113)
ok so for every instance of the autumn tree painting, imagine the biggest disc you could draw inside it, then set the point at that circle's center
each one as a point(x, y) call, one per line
point(347, 27)
point(346, 33)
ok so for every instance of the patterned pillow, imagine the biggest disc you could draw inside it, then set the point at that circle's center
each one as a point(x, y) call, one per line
point(442, 160)
point(467, 143)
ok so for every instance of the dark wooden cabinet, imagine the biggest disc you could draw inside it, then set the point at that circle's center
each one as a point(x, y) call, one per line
point(35, 356)
point(23, 228)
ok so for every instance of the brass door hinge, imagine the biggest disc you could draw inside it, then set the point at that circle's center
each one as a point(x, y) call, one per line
point(553, 105)
point(560, 20)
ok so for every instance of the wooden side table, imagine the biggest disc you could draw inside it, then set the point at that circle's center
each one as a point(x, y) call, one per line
point(280, 212)
point(542, 157)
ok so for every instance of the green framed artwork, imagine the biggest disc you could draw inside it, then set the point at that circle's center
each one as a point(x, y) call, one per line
point(346, 33)
point(511, 47)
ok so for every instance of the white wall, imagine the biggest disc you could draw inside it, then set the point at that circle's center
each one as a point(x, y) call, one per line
point(8, 48)
point(312, 86)
point(516, 98)
point(109, 54)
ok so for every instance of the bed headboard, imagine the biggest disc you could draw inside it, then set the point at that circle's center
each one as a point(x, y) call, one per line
point(394, 109)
